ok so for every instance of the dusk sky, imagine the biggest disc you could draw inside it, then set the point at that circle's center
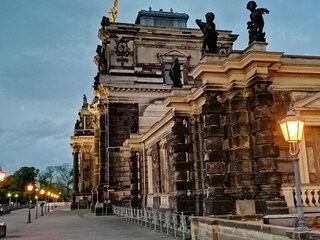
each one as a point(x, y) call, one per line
point(46, 61)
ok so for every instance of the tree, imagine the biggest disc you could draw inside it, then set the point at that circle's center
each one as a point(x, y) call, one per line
point(47, 177)
point(22, 177)
point(65, 177)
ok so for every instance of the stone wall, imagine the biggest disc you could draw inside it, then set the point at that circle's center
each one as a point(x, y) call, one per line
point(204, 228)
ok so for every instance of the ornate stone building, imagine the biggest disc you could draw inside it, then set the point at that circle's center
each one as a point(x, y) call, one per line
point(209, 147)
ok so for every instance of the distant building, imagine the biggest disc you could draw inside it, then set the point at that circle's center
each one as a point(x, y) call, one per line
point(201, 148)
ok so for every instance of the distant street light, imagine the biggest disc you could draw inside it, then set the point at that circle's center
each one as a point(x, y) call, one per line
point(30, 188)
point(2, 174)
point(49, 194)
point(292, 129)
point(16, 196)
point(42, 192)
point(36, 197)
point(9, 196)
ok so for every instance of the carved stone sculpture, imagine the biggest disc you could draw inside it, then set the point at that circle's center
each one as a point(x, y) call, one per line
point(105, 21)
point(175, 74)
point(210, 35)
point(255, 26)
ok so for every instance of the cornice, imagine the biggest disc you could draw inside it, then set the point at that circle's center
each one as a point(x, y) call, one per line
point(139, 89)
point(80, 140)
point(100, 91)
point(225, 65)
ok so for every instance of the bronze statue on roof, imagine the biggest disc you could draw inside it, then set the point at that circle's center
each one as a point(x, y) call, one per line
point(210, 35)
point(255, 26)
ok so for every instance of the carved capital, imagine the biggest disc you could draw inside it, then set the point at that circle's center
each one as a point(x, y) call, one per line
point(75, 148)
point(86, 149)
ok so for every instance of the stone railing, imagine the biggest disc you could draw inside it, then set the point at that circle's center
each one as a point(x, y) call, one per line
point(310, 194)
point(205, 228)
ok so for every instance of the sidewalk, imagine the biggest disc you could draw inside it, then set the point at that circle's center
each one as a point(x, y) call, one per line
point(62, 223)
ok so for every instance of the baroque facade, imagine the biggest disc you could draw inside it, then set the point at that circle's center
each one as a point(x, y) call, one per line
point(205, 148)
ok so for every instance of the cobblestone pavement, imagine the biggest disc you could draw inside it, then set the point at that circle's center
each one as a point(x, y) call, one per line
point(64, 224)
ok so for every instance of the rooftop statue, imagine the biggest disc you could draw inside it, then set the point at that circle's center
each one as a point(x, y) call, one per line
point(105, 21)
point(210, 35)
point(85, 101)
point(113, 12)
point(255, 26)
point(175, 74)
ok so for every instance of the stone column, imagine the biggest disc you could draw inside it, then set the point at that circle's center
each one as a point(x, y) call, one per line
point(196, 157)
point(214, 158)
point(182, 167)
point(75, 154)
point(241, 164)
point(134, 179)
point(95, 163)
point(102, 156)
point(264, 151)
point(76, 170)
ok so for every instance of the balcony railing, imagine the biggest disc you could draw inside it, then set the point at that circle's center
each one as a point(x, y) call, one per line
point(310, 194)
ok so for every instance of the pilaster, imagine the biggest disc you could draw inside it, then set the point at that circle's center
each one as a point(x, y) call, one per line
point(263, 149)
point(216, 202)
point(183, 185)
point(240, 165)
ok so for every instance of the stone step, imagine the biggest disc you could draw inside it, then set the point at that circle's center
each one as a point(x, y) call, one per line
point(276, 203)
point(277, 210)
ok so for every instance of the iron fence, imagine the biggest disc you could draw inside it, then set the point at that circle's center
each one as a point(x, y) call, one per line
point(177, 225)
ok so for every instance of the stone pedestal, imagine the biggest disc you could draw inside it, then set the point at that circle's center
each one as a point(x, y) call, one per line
point(221, 206)
point(99, 209)
point(245, 207)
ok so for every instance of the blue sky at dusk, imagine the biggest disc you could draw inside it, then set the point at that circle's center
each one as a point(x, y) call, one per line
point(46, 61)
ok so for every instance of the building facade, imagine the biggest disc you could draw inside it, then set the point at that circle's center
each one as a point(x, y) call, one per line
point(211, 146)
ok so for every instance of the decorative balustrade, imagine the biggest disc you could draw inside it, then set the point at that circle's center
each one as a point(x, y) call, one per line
point(310, 194)
point(177, 225)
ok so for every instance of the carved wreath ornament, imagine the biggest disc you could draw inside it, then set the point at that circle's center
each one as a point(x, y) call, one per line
point(122, 48)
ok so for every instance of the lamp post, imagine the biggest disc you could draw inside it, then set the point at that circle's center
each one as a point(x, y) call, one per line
point(42, 204)
point(16, 196)
point(9, 196)
point(292, 129)
point(36, 197)
point(49, 193)
point(30, 188)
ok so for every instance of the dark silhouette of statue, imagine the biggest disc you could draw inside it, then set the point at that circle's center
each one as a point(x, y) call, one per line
point(77, 125)
point(96, 80)
point(85, 100)
point(256, 24)
point(175, 74)
point(105, 21)
point(210, 35)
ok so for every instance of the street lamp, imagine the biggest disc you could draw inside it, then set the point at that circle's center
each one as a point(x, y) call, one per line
point(30, 188)
point(16, 196)
point(49, 194)
point(42, 204)
point(292, 129)
point(2, 174)
point(9, 196)
point(36, 197)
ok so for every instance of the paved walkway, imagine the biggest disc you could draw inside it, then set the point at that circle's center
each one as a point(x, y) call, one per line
point(62, 223)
